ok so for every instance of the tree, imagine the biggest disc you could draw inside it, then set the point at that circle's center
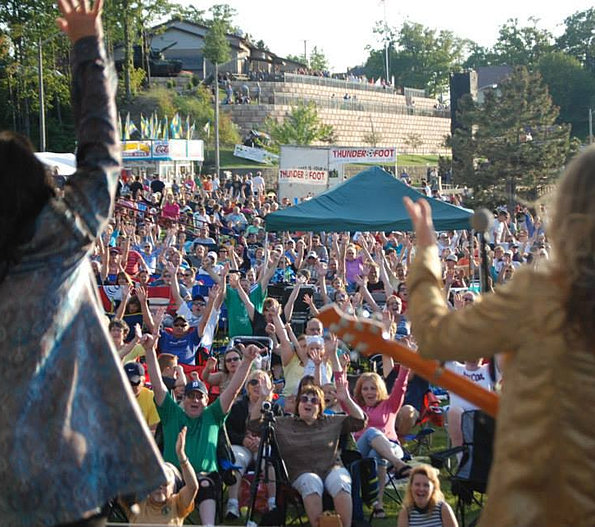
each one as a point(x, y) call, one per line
point(301, 126)
point(572, 88)
point(218, 51)
point(511, 144)
point(578, 38)
point(522, 45)
point(424, 57)
point(318, 60)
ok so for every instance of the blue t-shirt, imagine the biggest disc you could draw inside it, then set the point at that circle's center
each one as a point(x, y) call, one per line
point(185, 348)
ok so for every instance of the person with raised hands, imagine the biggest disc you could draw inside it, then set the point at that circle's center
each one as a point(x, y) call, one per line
point(67, 418)
point(203, 421)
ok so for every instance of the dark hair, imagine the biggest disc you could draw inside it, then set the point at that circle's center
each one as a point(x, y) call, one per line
point(27, 187)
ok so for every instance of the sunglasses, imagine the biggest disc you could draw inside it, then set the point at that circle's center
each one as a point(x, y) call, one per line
point(232, 359)
point(195, 395)
point(468, 299)
point(312, 400)
point(253, 382)
point(199, 303)
point(180, 325)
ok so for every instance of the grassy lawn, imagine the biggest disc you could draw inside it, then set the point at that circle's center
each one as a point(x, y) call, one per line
point(229, 161)
point(439, 442)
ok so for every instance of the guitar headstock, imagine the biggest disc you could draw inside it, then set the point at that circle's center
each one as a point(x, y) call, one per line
point(362, 335)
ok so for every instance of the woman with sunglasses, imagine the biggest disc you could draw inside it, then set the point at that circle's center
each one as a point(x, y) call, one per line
point(229, 364)
point(309, 446)
point(246, 440)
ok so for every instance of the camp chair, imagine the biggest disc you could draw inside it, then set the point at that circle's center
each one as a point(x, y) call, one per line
point(470, 477)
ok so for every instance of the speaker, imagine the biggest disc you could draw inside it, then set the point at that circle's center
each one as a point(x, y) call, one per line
point(460, 84)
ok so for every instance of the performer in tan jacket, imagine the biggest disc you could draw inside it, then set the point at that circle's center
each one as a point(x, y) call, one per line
point(544, 463)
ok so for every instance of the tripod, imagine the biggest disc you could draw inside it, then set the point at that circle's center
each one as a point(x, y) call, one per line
point(268, 451)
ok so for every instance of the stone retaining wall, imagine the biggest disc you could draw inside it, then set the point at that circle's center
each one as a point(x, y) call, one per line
point(414, 125)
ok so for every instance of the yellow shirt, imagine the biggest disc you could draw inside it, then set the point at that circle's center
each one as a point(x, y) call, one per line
point(543, 472)
point(147, 406)
point(134, 353)
point(169, 513)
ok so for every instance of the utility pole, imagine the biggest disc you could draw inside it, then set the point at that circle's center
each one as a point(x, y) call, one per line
point(217, 156)
point(306, 53)
point(386, 42)
point(42, 134)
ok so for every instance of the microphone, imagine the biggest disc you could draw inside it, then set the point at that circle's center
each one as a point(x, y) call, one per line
point(482, 220)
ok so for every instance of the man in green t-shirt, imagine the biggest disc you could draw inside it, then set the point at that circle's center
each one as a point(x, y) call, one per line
point(203, 422)
point(237, 315)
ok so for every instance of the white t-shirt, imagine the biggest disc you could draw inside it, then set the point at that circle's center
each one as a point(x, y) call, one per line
point(480, 376)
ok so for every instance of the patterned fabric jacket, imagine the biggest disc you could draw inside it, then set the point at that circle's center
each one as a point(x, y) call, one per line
point(71, 435)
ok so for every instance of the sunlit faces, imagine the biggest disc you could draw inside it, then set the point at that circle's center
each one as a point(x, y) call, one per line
point(194, 403)
point(422, 490)
point(308, 406)
point(330, 395)
point(164, 491)
point(369, 393)
point(231, 361)
point(314, 327)
point(179, 327)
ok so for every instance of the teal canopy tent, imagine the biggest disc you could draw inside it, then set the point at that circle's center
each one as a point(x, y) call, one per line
point(370, 201)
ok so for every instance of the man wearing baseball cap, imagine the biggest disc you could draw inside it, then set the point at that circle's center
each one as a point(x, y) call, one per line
point(202, 420)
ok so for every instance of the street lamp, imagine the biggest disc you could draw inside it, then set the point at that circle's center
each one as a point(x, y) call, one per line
point(40, 44)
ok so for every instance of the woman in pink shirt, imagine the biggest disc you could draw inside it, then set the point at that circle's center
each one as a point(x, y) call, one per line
point(171, 209)
point(379, 439)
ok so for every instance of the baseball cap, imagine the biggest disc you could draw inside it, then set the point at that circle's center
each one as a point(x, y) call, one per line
point(194, 386)
point(213, 255)
point(312, 254)
point(134, 371)
point(452, 257)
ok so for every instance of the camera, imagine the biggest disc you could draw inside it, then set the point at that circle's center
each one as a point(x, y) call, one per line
point(266, 406)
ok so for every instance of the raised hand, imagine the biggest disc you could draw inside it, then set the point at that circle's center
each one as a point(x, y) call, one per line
point(181, 444)
point(78, 20)
point(420, 213)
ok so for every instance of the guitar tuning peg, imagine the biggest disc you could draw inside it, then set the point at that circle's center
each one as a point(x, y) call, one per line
point(334, 327)
point(348, 338)
point(359, 326)
point(343, 323)
point(362, 347)
point(375, 329)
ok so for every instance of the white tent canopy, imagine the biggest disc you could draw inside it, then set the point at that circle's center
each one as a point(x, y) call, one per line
point(65, 163)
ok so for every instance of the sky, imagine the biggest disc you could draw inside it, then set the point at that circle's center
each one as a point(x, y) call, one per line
point(343, 28)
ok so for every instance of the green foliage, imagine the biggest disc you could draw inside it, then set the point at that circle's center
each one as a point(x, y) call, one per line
point(301, 126)
point(511, 139)
point(522, 45)
point(318, 60)
point(578, 38)
point(217, 49)
point(572, 88)
point(423, 57)
point(137, 78)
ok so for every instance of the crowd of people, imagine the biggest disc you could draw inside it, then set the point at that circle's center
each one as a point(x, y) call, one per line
point(213, 319)
point(191, 264)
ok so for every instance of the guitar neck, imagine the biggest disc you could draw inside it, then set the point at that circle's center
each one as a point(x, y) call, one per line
point(367, 337)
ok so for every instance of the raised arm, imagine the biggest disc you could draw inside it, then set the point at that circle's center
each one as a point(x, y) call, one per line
point(288, 309)
point(269, 270)
point(189, 490)
point(234, 282)
point(91, 190)
point(227, 398)
point(149, 342)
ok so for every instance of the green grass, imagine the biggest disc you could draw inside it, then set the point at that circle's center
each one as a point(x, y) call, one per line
point(439, 442)
point(229, 161)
